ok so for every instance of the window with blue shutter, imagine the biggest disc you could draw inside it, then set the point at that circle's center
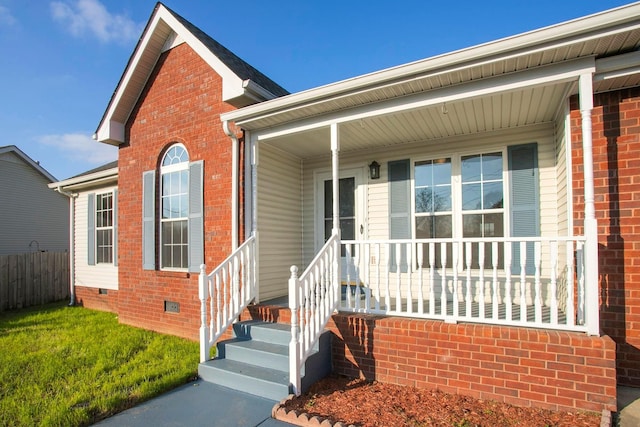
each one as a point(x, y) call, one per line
point(399, 208)
point(91, 229)
point(196, 226)
point(524, 200)
point(148, 220)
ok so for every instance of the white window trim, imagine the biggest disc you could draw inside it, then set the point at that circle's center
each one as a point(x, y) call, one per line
point(177, 167)
point(456, 187)
point(96, 228)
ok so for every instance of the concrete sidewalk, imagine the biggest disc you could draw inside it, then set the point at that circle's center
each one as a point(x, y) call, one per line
point(628, 407)
point(199, 403)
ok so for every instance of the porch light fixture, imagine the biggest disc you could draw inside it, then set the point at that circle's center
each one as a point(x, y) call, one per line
point(374, 170)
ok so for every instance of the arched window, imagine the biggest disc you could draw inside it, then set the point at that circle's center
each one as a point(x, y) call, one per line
point(172, 222)
point(174, 210)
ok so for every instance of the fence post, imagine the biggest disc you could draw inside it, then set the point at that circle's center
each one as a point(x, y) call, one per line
point(203, 289)
point(294, 349)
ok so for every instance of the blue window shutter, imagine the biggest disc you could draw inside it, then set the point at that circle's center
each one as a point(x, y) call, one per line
point(148, 220)
point(115, 227)
point(399, 205)
point(525, 200)
point(91, 229)
point(196, 209)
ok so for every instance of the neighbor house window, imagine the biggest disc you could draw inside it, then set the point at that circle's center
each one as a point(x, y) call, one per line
point(102, 227)
point(175, 216)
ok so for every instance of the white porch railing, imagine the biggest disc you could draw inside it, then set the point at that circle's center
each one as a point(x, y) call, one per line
point(535, 282)
point(224, 293)
point(312, 300)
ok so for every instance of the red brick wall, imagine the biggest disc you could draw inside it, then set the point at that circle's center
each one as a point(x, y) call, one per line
point(616, 157)
point(181, 103)
point(525, 367)
point(93, 299)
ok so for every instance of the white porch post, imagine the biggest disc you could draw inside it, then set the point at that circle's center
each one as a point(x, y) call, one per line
point(335, 176)
point(590, 224)
point(254, 213)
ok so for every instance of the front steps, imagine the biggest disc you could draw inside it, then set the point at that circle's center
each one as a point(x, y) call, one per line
point(256, 361)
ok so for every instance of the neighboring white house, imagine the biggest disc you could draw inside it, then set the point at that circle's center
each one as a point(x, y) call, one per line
point(95, 224)
point(34, 218)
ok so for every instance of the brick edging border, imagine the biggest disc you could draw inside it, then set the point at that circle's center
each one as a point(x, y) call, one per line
point(303, 419)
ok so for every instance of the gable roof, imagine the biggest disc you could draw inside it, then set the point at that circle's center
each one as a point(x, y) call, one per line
point(242, 84)
point(28, 160)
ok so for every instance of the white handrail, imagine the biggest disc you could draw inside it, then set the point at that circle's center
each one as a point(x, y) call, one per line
point(226, 291)
point(519, 281)
point(313, 298)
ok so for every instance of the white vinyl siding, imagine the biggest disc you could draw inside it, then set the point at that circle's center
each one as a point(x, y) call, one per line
point(280, 223)
point(93, 276)
point(31, 212)
point(563, 174)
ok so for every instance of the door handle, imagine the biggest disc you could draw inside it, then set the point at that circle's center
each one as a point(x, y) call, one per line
point(361, 229)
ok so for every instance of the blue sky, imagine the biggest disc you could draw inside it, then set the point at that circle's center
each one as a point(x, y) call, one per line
point(61, 60)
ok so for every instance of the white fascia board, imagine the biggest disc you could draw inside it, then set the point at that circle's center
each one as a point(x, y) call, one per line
point(617, 66)
point(105, 176)
point(547, 75)
point(580, 29)
point(113, 132)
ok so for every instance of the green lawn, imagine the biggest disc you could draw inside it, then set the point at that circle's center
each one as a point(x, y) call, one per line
point(70, 366)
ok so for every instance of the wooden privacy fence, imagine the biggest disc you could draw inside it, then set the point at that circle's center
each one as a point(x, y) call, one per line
point(33, 279)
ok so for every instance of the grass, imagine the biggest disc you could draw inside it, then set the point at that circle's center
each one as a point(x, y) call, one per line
point(70, 366)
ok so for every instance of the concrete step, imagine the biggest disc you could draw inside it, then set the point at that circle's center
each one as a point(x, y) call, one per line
point(254, 352)
point(257, 380)
point(256, 361)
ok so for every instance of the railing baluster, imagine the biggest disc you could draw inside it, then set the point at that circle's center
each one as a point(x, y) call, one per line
point(387, 295)
point(581, 290)
point(432, 278)
point(443, 279)
point(571, 319)
point(366, 265)
point(454, 263)
point(523, 281)
point(420, 260)
point(409, 248)
point(554, 286)
point(480, 290)
point(507, 282)
point(348, 262)
point(398, 277)
point(494, 264)
point(468, 260)
point(538, 285)
point(377, 256)
point(357, 262)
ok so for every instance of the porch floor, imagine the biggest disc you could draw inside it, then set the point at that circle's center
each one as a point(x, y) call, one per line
point(474, 315)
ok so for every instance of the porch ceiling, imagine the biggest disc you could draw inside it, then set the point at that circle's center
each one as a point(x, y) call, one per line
point(490, 113)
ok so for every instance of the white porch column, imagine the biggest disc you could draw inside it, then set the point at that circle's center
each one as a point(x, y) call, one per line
point(254, 212)
point(592, 314)
point(335, 176)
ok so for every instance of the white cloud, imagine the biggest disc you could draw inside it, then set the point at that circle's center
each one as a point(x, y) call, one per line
point(80, 147)
point(6, 18)
point(90, 17)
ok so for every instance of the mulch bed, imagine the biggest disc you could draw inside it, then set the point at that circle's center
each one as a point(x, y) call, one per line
point(368, 404)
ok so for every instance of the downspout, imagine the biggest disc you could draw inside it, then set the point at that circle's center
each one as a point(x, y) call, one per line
point(72, 225)
point(234, 184)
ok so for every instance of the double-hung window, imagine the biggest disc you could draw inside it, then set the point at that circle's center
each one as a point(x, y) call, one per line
point(463, 196)
point(102, 223)
point(176, 217)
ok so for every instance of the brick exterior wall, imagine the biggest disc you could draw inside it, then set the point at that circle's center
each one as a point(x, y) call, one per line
point(616, 157)
point(181, 103)
point(525, 367)
point(93, 299)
